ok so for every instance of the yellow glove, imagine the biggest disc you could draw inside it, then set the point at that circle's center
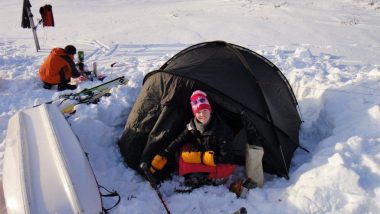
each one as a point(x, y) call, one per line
point(208, 158)
point(158, 163)
point(196, 157)
point(191, 157)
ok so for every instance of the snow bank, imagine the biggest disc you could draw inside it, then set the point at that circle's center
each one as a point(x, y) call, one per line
point(327, 49)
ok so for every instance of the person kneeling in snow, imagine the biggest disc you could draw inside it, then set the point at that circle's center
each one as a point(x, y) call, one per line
point(204, 158)
point(58, 68)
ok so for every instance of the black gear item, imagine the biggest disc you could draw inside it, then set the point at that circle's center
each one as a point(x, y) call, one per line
point(46, 12)
point(25, 22)
point(196, 180)
point(242, 210)
point(192, 181)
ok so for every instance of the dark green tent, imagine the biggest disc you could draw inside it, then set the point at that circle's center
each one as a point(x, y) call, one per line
point(243, 87)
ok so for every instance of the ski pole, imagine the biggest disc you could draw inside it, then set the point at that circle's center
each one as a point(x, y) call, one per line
point(152, 182)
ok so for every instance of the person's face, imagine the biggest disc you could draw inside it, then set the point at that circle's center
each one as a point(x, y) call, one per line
point(203, 116)
point(72, 56)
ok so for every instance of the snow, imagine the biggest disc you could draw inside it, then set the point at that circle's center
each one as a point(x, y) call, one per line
point(327, 49)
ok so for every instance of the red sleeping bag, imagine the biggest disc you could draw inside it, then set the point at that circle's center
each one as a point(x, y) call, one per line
point(218, 171)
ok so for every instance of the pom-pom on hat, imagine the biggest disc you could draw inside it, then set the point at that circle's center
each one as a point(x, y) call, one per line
point(199, 101)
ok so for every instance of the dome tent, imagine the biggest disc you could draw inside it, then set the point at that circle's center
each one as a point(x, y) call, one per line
point(244, 88)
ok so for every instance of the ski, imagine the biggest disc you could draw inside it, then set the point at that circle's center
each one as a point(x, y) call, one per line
point(67, 102)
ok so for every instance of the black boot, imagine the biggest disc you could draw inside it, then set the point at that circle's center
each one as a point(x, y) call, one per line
point(47, 85)
point(65, 86)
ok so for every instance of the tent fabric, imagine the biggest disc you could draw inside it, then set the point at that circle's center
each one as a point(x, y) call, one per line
point(243, 87)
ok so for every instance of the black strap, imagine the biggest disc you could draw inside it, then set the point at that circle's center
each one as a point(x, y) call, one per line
point(303, 148)
point(110, 194)
point(202, 155)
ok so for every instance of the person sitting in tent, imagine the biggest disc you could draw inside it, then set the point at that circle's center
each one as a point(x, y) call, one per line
point(58, 68)
point(203, 157)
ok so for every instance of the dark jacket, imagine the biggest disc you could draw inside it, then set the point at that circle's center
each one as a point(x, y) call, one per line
point(216, 136)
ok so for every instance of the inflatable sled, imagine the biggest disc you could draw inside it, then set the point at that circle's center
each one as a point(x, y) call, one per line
point(45, 168)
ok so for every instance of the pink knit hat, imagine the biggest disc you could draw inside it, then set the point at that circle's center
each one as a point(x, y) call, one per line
point(199, 101)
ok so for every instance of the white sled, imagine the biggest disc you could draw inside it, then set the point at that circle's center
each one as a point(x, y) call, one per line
point(45, 168)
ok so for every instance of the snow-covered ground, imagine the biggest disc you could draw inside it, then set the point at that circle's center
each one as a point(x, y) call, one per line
point(328, 49)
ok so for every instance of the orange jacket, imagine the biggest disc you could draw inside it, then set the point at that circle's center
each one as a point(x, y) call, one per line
point(58, 67)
